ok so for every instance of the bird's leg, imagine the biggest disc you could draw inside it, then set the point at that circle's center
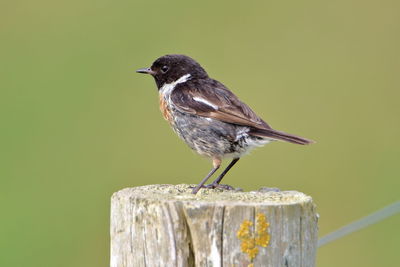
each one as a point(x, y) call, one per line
point(219, 179)
point(216, 164)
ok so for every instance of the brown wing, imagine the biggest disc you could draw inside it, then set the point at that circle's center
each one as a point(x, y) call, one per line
point(215, 101)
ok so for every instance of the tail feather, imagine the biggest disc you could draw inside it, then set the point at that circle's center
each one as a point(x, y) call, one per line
point(278, 135)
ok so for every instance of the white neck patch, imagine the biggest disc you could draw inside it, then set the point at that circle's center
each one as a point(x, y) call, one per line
point(168, 87)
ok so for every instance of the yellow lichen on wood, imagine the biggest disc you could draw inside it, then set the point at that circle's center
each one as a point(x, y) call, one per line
point(245, 235)
point(251, 240)
point(262, 238)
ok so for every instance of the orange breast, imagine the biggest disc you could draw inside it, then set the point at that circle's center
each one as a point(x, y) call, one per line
point(165, 111)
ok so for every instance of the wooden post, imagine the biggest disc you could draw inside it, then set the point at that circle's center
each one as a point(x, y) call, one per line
point(165, 225)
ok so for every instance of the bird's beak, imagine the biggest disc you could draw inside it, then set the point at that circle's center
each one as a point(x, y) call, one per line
point(146, 71)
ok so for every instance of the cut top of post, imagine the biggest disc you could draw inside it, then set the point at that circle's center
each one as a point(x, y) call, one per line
point(182, 192)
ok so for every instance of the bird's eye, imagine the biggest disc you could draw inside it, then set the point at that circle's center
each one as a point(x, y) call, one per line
point(164, 69)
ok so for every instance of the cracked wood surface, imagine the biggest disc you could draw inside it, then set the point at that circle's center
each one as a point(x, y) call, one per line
point(165, 225)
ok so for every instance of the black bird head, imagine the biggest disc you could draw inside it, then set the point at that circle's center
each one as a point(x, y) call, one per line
point(169, 68)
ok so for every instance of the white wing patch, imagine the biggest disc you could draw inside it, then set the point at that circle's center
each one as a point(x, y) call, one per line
point(202, 100)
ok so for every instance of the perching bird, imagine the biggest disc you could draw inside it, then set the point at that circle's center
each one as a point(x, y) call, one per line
point(207, 116)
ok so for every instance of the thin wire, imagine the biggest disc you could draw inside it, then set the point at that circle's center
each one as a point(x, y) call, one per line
point(362, 223)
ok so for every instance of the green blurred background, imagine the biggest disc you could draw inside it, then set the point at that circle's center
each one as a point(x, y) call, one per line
point(77, 123)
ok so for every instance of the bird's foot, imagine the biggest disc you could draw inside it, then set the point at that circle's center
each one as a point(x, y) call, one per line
point(216, 186)
point(220, 186)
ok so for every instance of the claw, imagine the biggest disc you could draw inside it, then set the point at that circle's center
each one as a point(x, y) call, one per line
point(215, 185)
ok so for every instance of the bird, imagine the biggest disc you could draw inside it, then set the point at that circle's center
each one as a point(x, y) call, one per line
point(208, 116)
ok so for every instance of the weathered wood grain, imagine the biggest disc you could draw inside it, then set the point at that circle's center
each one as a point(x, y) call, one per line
point(166, 225)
